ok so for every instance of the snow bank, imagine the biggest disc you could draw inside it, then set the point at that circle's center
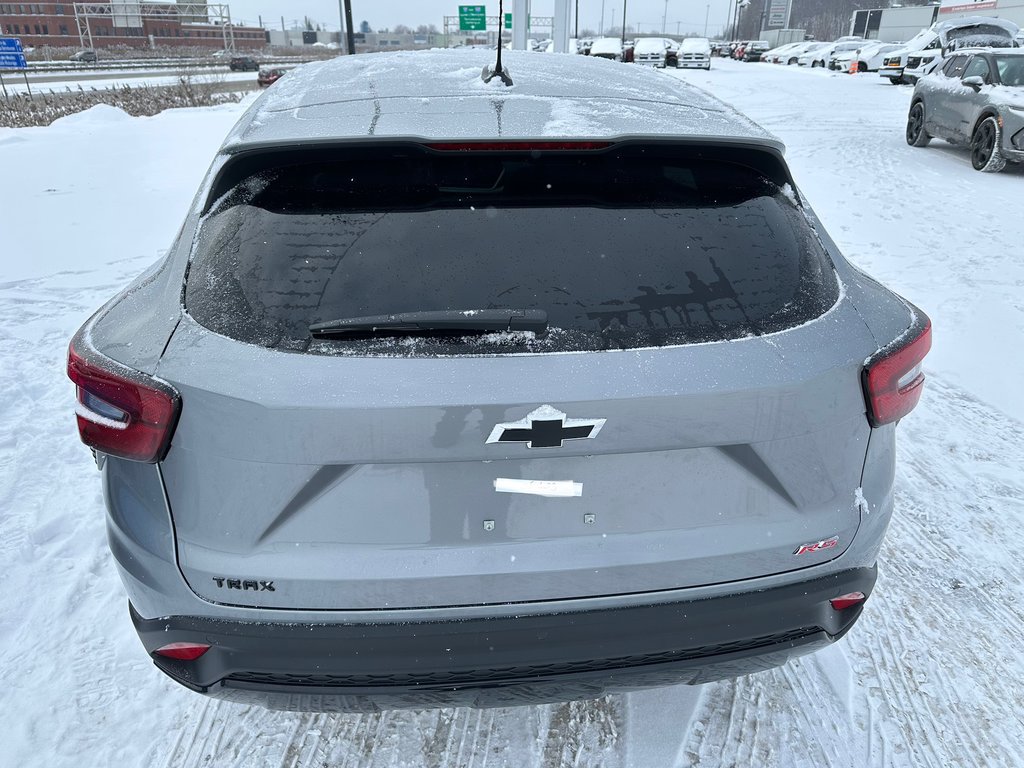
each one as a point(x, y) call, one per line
point(100, 186)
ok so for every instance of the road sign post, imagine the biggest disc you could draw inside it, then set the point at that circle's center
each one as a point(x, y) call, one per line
point(472, 18)
point(12, 57)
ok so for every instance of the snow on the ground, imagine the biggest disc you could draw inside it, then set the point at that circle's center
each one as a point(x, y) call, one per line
point(932, 675)
point(922, 221)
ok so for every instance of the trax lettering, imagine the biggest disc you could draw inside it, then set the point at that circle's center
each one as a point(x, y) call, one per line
point(255, 586)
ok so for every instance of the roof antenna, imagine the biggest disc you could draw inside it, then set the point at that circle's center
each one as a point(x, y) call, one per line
point(498, 71)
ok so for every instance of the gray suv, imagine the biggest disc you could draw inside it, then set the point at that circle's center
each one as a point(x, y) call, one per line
point(977, 100)
point(453, 393)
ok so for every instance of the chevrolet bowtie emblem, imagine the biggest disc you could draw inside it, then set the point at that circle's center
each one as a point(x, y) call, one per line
point(545, 427)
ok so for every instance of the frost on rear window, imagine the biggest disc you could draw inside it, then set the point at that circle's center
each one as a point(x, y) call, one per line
point(623, 249)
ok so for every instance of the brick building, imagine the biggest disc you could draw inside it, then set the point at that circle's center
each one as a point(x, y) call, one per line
point(121, 23)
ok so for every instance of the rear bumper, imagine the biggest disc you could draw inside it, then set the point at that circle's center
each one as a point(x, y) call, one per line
point(506, 660)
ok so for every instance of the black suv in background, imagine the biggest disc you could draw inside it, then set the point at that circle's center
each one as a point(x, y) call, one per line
point(244, 64)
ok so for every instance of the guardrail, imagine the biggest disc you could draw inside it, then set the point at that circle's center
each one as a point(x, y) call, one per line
point(101, 66)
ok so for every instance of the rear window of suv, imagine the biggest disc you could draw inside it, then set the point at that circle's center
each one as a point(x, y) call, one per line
point(626, 247)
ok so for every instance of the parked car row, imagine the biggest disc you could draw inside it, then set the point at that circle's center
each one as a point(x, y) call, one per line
point(922, 54)
point(968, 75)
point(899, 62)
point(691, 53)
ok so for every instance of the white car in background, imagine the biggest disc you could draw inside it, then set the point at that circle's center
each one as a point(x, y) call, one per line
point(929, 45)
point(694, 53)
point(607, 48)
point(920, 64)
point(652, 51)
point(820, 57)
point(793, 56)
point(781, 53)
point(868, 57)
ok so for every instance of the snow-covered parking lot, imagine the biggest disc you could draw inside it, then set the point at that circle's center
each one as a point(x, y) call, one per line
point(932, 675)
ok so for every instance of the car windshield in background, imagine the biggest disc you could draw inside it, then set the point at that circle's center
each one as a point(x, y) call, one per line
point(981, 36)
point(622, 248)
point(1011, 70)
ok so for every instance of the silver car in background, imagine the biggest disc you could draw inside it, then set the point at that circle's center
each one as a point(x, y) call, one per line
point(977, 100)
point(449, 393)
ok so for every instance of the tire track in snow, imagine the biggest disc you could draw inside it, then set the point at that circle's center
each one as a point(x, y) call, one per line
point(583, 734)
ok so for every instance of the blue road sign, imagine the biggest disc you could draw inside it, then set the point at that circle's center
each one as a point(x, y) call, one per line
point(10, 45)
point(13, 61)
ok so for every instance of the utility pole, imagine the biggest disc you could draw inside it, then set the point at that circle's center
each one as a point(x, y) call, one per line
point(577, 20)
point(345, 10)
point(664, 19)
point(601, 31)
point(707, 12)
point(623, 22)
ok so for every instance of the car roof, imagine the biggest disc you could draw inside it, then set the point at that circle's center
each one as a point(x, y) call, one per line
point(992, 51)
point(970, 21)
point(439, 94)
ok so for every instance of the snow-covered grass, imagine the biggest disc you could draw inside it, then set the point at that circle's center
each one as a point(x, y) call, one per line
point(43, 108)
point(931, 676)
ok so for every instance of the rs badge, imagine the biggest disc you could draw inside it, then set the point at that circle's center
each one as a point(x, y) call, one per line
point(817, 546)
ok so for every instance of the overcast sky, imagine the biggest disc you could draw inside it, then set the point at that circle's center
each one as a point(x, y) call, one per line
point(684, 15)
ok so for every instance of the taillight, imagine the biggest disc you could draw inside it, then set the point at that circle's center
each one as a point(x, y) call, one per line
point(183, 651)
point(893, 379)
point(848, 600)
point(121, 411)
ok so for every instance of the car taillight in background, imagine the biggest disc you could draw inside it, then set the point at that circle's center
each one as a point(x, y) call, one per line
point(893, 379)
point(120, 411)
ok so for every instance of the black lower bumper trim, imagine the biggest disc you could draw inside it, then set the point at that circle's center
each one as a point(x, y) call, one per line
point(506, 660)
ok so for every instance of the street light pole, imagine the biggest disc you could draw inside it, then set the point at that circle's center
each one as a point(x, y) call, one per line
point(707, 12)
point(623, 22)
point(664, 19)
point(345, 9)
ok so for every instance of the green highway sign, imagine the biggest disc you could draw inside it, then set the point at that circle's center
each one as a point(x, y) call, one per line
point(472, 18)
point(508, 21)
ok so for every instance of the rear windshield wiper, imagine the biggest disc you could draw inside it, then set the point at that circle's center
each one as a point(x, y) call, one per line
point(445, 322)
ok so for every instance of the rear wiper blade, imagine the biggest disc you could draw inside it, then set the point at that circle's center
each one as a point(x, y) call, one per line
point(445, 322)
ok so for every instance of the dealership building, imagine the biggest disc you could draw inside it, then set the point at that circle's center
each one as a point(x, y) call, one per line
point(126, 23)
